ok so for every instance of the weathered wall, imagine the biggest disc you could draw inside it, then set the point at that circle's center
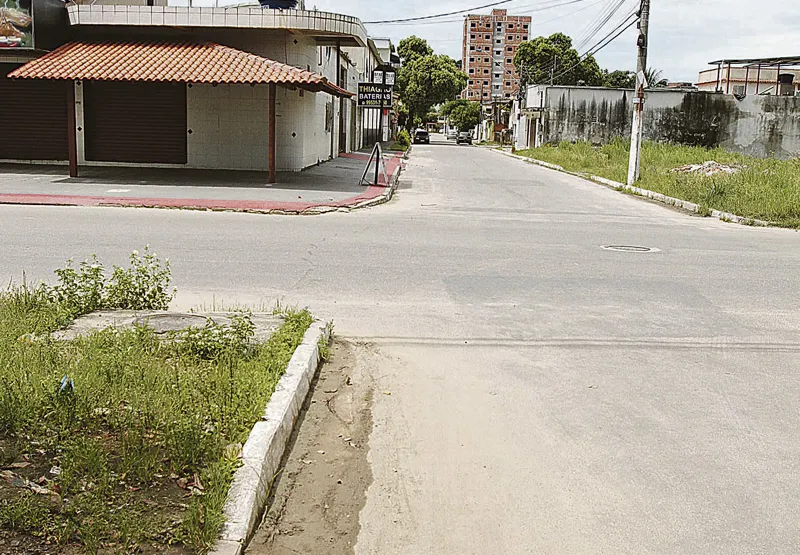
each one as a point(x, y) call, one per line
point(757, 125)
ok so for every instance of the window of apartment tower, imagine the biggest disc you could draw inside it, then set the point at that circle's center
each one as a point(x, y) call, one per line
point(486, 72)
point(509, 49)
point(508, 95)
point(510, 38)
point(508, 60)
point(472, 37)
point(471, 70)
point(510, 25)
point(472, 59)
point(473, 25)
point(486, 60)
point(488, 37)
point(525, 26)
point(472, 48)
point(499, 41)
point(508, 83)
point(471, 94)
point(524, 37)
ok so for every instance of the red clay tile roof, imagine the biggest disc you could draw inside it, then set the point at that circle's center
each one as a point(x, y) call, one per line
point(181, 61)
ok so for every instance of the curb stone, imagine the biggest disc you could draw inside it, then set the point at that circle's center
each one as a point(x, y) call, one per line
point(652, 195)
point(265, 447)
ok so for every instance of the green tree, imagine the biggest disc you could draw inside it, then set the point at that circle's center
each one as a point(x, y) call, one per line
point(466, 116)
point(427, 81)
point(412, 48)
point(619, 79)
point(451, 105)
point(545, 58)
point(655, 78)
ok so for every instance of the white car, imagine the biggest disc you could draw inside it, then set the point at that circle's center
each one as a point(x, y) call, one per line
point(452, 135)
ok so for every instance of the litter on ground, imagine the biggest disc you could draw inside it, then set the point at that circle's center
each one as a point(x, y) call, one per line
point(707, 169)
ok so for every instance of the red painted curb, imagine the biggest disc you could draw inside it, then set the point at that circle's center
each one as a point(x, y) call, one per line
point(371, 193)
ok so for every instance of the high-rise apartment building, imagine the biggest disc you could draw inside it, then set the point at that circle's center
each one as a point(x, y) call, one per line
point(490, 44)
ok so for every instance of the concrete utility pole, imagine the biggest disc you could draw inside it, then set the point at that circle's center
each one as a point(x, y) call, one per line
point(638, 102)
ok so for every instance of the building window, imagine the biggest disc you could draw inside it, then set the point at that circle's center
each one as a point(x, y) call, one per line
point(499, 41)
point(508, 60)
point(470, 81)
point(525, 26)
point(485, 94)
point(471, 93)
point(508, 95)
point(472, 59)
point(510, 38)
point(486, 60)
point(497, 76)
point(510, 25)
point(473, 25)
point(497, 87)
point(488, 37)
point(472, 37)
point(472, 48)
point(486, 72)
point(508, 83)
point(498, 52)
point(524, 37)
point(471, 70)
point(509, 49)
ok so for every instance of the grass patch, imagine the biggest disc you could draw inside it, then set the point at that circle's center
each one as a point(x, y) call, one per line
point(120, 441)
point(764, 189)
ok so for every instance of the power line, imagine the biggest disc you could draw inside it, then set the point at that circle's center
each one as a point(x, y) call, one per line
point(605, 41)
point(522, 10)
point(420, 18)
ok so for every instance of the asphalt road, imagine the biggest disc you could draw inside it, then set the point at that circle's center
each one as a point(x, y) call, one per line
point(547, 395)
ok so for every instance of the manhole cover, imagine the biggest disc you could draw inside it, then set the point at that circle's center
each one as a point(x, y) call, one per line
point(162, 323)
point(629, 248)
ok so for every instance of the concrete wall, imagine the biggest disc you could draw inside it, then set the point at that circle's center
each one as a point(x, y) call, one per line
point(757, 125)
point(229, 126)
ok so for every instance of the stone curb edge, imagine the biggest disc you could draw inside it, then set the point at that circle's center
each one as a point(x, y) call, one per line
point(265, 447)
point(652, 195)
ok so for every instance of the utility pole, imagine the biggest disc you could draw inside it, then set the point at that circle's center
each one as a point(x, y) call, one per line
point(638, 102)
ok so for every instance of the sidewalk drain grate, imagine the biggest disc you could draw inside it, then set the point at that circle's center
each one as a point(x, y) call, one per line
point(628, 248)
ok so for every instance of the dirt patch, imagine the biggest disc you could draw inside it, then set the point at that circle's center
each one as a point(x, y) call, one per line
point(321, 490)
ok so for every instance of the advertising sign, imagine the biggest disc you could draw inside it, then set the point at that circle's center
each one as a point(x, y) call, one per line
point(16, 24)
point(374, 96)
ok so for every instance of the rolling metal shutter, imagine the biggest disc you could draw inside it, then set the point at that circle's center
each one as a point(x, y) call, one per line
point(33, 118)
point(135, 122)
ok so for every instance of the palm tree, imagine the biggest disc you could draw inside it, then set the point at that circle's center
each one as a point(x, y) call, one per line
point(655, 78)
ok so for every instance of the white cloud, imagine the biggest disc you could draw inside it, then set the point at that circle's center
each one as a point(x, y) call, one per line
point(685, 34)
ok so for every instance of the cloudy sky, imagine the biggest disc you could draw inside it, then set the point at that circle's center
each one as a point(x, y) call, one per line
point(685, 34)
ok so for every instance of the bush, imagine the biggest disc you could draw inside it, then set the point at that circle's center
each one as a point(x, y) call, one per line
point(403, 139)
point(144, 285)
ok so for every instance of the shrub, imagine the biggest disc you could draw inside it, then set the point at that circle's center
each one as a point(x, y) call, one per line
point(403, 139)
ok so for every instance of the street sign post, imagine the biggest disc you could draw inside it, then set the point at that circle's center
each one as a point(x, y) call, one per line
point(378, 94)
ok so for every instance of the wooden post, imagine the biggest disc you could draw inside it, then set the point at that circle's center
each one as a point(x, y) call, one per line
point(273, 163)
point(72, 140)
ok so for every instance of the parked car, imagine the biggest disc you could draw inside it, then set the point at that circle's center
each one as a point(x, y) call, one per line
point(422, 137)
point(464, 137)
point(452, 135)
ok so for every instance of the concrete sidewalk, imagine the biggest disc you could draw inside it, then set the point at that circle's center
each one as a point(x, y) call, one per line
point(331, 185)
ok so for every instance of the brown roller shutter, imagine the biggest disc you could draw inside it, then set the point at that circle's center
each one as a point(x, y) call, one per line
point(135, 122)
point(33, 118)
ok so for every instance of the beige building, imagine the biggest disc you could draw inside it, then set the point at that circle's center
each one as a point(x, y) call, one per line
point(748, 77)
point(489, 46)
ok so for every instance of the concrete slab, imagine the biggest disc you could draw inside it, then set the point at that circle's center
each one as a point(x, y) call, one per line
point(164, 321)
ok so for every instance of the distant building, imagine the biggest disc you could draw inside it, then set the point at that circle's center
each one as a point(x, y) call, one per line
point(490, 44)
point(752, 76)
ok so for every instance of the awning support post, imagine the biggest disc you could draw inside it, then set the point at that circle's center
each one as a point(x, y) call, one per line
point(273, 163)
point(72, 140)
point(758, 79)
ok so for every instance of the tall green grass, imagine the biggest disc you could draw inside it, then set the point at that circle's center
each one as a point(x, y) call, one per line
point(120, 411)
point(765, 189)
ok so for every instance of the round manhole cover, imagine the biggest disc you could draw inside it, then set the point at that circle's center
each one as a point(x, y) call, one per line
point(629, 248)
point(162, 323)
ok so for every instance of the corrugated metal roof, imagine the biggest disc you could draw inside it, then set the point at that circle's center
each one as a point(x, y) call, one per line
point(165, 61)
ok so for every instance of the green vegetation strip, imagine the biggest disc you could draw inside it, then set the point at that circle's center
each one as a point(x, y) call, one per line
point(122, 441)
point(763, 189)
